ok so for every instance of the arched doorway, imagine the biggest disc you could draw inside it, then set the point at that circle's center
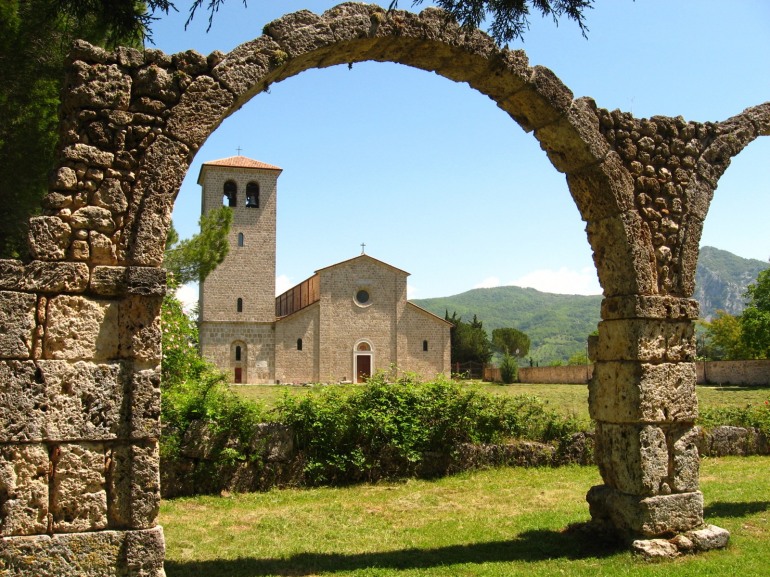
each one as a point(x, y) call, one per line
point(363, 361)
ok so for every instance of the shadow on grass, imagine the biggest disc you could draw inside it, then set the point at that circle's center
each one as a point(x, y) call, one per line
point(728, 509)
point(530, 546)
point(733, 388)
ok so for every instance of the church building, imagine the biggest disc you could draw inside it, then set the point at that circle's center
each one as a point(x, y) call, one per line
point(342, 324)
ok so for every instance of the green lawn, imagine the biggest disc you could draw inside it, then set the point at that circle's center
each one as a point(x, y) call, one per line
point(568, 399)
point(490, 523)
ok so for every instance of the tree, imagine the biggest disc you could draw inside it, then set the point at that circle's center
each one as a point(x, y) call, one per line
point(723, 339)
point(469, 341)
point(509, 369)
point(509, 19)
point(35, 36)
point(511, 341)
point(755, 320)
point(193, 259)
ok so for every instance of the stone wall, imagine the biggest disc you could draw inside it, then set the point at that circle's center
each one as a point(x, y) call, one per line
point(80, 392)
point(344, 322)
point(568, 374)
point(707, 372)
point(218, 340)
point(255, 260)
point(425, 331)
point(301, 365)
point(734, 372)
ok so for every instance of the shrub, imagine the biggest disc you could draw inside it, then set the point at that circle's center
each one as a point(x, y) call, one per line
point(750, 416)
point(208, 399)
point(509, 369)
point(386, 429)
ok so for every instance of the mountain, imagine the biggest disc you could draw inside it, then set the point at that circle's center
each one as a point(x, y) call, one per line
point(558, 324)
point(721, 279)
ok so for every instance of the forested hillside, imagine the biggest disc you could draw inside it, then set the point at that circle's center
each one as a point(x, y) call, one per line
point(558, 325)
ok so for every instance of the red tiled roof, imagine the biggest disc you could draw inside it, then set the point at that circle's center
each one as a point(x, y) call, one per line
point(241, 162)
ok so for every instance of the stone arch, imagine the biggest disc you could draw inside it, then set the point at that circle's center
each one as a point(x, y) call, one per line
point(86, 311)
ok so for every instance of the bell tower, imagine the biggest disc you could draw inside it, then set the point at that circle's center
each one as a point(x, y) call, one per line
point(237, 300)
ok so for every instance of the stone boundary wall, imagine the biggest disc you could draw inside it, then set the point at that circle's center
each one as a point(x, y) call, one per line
point(276, 462)
point(709, 372)
point(734, 372)
point(570, 374)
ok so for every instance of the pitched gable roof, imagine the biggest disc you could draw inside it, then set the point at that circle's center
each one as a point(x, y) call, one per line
point(238, 162)
point(363, 256)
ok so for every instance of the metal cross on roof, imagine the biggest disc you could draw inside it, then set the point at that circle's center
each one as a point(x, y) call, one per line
point(363, 248)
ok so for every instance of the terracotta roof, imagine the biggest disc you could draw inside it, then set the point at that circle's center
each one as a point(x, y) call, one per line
point(241, 162)
point(364, 256)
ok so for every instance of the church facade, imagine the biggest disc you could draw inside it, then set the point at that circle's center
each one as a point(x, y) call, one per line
point(344, 323)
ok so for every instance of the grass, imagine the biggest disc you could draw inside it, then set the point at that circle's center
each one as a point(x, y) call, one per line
point(491, 523)
point(570, 400)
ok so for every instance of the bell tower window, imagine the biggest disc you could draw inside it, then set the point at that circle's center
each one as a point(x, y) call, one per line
point(252, 195)
point(230, 192)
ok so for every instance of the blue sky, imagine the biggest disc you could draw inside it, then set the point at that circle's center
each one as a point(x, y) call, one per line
point(470, 199)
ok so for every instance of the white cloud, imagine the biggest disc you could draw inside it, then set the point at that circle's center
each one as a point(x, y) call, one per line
point(562, 281)
point(188, 295)
point(282, 284)
point(489, 282)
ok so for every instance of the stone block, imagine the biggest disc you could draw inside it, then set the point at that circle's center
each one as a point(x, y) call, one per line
point(632, 392)
point(59, 401)
point(23, 402)
point(145, 404)
point(134, 485)
point(79, 490)
point(646, 340)
point(246, 65)
point(710, 537)
point(632, 458)
point(574, 143)
point(655, 548)
point(683, 446)
point(93, 218)
point(23, 489)
point(83, 400)
point(657, 516)
point(81, 328)
point(201, 109)
point(135, 280)
point(602, 190)
point(97, 86)
point(624, 267)
point(96, 554)
point(49, 237)
point(17, 324)
point(649, 307)
point(11, 272)
point(145, 551)
point(55, 277)
point(140, 336)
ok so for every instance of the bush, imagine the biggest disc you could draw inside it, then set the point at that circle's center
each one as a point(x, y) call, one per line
point(751, 416)
point(208, 399)
point(386, 429)
point(509, 369)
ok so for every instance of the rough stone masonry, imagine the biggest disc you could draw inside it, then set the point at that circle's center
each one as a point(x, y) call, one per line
point(79, 324)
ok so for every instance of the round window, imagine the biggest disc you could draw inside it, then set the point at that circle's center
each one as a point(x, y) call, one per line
point(362, 296)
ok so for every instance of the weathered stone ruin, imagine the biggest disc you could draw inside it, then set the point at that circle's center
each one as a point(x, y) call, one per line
point(79, 325)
